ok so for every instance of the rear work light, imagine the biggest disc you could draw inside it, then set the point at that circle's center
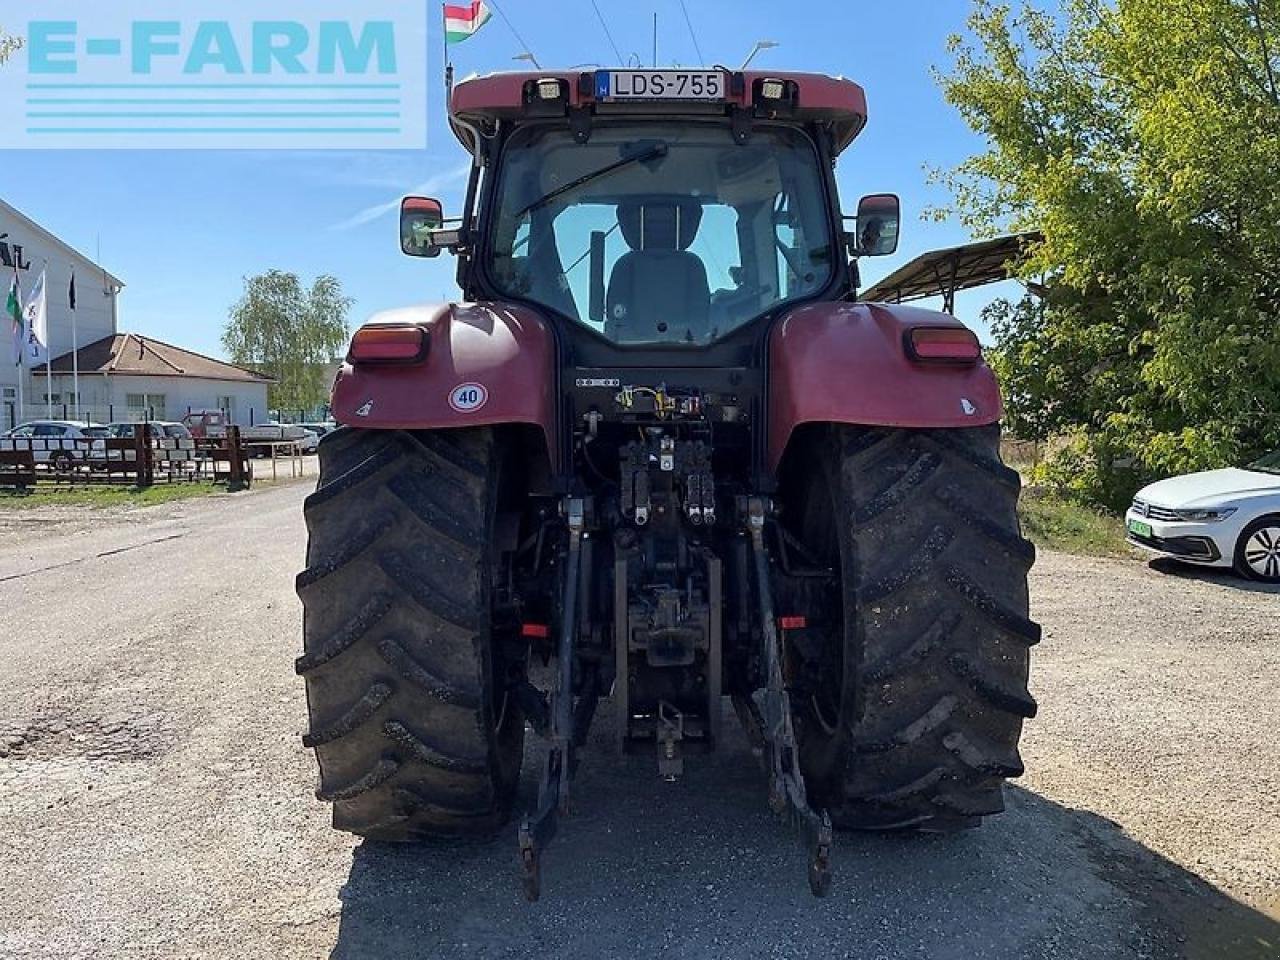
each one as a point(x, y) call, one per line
point(548, 97)
point(773, 90)
point(773, 96)
point(388, 345)
point(943, 345)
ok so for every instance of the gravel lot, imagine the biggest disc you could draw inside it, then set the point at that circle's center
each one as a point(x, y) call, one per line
point(156, 801)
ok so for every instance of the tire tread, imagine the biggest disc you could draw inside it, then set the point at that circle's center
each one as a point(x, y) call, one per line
point(935, 574)
point(395, 635)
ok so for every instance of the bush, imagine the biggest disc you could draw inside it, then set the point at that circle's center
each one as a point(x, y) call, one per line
point(1088, 468)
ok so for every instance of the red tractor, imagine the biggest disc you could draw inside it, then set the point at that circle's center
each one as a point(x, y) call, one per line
point(661, 453)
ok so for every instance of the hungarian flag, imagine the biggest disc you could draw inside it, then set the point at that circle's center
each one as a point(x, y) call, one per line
point(14, 309)
point(463, 20)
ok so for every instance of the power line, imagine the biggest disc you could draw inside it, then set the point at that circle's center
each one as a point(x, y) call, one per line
point(609, 36)
point(702, 61)
point(512, 27)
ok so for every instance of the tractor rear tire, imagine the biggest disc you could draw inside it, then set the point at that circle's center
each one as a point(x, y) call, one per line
point(412, 728)
point(931, 649)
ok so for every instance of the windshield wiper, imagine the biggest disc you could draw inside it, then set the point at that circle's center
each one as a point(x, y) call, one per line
point(651, 153)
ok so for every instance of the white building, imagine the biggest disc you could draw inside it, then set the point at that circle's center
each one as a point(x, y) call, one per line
point(130, 377)
point(122, 376)
point(30, 248)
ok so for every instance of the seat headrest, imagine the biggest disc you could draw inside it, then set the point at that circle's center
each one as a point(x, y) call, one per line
point(660, 224)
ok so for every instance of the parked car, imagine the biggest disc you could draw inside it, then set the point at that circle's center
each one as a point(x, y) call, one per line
point(58, 448)
point(124, 431)
point(1218, 518)
point(321, 430)
point(156, 430)
point(311, 442)
point(175, 431)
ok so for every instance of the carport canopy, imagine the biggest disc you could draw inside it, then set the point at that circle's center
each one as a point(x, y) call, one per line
point(941, 273)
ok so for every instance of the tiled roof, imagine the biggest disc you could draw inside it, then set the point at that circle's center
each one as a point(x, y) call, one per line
point(132, 355)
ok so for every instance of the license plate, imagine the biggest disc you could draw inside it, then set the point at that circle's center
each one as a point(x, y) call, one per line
point(1140, 528)
point(696, 85)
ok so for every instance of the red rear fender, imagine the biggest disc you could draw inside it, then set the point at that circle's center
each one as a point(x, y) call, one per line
point(486, 364)
point(848, 363)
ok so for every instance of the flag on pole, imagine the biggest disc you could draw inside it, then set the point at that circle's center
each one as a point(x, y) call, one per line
point(463, 20)
point(75, 343)
point(36, 316)
point(13, 307)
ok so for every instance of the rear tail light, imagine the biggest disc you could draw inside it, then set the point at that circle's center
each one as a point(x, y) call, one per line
point(388, 345)
point(943, 345)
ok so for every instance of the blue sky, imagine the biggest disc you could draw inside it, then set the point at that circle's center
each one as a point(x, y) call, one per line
point(183, 228)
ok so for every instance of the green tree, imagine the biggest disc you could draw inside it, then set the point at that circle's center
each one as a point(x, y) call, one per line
point(9, 45)
point(1143, 138)
point(279, 329)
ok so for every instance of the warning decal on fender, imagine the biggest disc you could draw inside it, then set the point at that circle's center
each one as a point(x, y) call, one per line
point(468, 397)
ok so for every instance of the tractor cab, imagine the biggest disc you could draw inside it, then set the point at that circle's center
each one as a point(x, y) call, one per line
point(665, 208)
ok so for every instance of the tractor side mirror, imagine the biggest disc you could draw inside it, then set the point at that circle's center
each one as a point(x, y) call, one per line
point(420, 218)
point(876, 226)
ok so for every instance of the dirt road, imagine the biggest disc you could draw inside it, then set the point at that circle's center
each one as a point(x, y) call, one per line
point(155, 800)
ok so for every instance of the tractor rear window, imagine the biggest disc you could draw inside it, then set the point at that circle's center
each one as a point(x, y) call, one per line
point(650, 234)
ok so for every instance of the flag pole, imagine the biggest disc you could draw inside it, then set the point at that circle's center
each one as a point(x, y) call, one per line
point(448, 66)
point(75, 342)
point(48, 345)
point(22, 336)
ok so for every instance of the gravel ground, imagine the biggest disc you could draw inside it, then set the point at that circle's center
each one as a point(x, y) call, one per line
point(156, 801)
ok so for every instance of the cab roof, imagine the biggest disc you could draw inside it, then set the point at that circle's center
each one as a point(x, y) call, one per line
point(838, 103)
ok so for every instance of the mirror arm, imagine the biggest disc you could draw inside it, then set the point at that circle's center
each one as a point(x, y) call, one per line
point(453, 239)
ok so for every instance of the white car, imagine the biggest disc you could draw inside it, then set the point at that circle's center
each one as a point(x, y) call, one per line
point(59, 444)
point(1219, 518)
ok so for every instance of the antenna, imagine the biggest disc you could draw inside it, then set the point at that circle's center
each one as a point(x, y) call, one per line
point(608, 36)
point(760, 45)
point(655, 39)
point(515, 33)
point(702, 61)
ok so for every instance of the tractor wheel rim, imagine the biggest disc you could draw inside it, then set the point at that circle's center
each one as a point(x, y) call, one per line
point(1262, 552)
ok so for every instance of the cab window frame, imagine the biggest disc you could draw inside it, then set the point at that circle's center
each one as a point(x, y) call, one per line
point(479, 276)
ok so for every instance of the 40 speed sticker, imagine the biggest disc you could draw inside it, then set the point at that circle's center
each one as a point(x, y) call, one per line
point(468, 397)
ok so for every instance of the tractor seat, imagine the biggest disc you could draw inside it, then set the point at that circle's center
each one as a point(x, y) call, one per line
point(658, 291)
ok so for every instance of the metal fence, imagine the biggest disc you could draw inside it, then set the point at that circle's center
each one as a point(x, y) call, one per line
point(140, 460)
